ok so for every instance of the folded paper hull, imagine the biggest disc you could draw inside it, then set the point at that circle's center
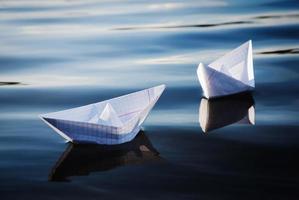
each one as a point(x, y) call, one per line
point(113, 121)
point(221, 112)
point(230, 74)
point(216, 84)
point(93, 133)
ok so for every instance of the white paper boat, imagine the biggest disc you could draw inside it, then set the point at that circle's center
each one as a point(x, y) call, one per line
point(220, 112)
point(113, 121)
point(230, 74)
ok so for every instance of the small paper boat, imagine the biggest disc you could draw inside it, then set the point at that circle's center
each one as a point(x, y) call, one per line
point(230, 74)
point(113, 121)
point(221, 112)
point(90, 158)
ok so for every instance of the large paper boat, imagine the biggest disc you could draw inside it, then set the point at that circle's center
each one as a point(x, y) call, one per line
point(83, 159)
point(230, 74)
point(113, 121)
point(221, 112)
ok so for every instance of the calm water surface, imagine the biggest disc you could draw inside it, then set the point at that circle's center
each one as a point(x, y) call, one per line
point(56, 55)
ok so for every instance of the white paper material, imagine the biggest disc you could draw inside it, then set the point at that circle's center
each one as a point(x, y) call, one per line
point(108, 117)
point(230, 74)
point(221, 112)
point(113, 121)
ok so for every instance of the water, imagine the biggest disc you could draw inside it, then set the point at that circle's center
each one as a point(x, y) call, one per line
point(56, 55)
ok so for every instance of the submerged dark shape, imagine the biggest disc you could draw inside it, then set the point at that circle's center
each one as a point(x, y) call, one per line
point(183, 26)
point(9, 83)
point(282, 51)
point(277, 16)
point(220, 112)
point(82, 159)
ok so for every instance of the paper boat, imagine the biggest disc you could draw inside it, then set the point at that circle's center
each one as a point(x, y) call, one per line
point(83, 159)
point(220, 112)
point(113, 121)
point(230, 74)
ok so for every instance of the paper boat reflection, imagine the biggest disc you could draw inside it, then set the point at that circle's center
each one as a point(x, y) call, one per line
point(113, 121)
point(82, 159)
point(217, 113)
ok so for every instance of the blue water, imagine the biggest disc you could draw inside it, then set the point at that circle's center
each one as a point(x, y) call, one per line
point(56, 55)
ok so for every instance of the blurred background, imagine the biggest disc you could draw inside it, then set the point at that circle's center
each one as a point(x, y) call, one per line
point(57, 54)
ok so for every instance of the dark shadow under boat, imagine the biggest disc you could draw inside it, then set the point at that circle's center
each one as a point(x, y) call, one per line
point(221, 112)
point(82, 159)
